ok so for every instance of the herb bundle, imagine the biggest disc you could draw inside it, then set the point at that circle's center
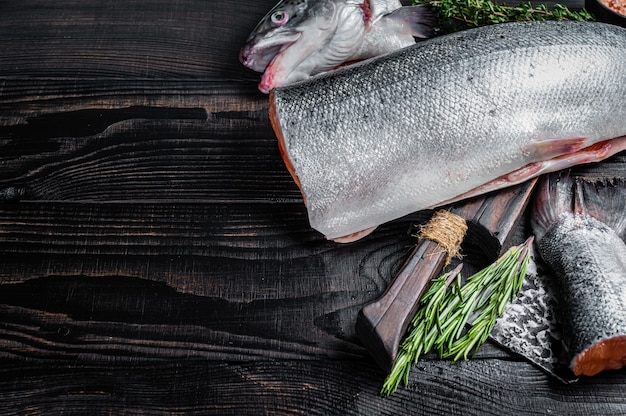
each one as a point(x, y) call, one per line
point(447, 306)
point(459, 14)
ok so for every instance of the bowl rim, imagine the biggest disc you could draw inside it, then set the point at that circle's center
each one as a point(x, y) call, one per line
point(604, 13)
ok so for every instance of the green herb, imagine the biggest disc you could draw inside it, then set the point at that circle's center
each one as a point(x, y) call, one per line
point(447, 306)
point(459, 14)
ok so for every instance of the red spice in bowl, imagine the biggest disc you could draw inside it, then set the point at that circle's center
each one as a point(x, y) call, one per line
point(608, 11)
point(617, 5)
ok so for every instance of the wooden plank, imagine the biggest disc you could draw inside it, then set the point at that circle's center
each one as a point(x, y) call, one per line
point(342, 388)
point(145, 140)
point(130, 38)
point(152, 277)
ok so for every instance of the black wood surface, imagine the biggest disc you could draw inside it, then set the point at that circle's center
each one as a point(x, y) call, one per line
point(155, 255)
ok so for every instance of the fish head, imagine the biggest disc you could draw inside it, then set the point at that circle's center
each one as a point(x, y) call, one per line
point(292, 41)
point(278, 30)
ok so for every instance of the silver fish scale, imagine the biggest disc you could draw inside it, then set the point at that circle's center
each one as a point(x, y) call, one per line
point(590, 261)
point(376, 141)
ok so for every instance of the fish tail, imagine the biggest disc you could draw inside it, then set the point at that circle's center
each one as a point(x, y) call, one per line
point(554, 197)
point(561, 193)
point(605, 200)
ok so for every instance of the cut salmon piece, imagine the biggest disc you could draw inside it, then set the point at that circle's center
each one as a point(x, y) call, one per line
point(580, 229)
point(608, 354)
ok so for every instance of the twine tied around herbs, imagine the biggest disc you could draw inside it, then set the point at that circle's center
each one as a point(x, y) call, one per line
point(446, 229)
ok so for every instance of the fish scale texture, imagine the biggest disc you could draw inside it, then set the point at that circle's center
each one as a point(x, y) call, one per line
point(590, 261)
point(378, 140)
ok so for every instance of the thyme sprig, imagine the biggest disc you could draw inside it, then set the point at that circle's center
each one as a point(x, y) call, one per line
point(473, 13)
point(448, 305)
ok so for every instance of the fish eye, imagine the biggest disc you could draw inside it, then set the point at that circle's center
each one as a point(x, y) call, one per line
point(279, 18)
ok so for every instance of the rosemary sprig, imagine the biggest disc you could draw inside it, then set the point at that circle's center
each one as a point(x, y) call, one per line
point(458, 14)
point(447, 306)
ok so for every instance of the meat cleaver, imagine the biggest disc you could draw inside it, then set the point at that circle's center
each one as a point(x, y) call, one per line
point(491, 219)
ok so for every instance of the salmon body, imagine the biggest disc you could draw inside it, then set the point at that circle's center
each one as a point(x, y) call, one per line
point(301, 38)
point(451, 117)
point(580, 228)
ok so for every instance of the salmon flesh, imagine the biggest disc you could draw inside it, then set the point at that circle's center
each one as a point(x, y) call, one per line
point(449, 118)
point(580, 229)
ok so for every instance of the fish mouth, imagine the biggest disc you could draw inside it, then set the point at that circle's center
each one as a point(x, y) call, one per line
point(260, 51)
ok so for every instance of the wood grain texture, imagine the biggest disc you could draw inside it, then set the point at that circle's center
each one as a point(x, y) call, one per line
point(222, 273)
point(129, 38)
point(155, 255)
point(159, 143)
point(297, 387)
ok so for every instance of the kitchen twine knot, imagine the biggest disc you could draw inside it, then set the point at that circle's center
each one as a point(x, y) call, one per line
point(446, 229)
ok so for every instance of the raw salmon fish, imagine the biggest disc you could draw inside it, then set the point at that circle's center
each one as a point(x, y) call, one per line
point(451, 117)
point(580, 228)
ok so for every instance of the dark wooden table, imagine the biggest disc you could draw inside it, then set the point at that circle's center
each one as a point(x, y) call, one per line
point(155, 255)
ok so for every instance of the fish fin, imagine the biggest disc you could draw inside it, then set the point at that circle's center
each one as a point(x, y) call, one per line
point(594, 153)
point(553, 197)
point(547, 149)
point(554, 155)
point(602, 198)
point(605, 200)
point(420, 20)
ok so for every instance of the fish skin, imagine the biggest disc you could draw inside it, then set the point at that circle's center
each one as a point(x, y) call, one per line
point(320, 35)
point(438, 120)
point(589, 259)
